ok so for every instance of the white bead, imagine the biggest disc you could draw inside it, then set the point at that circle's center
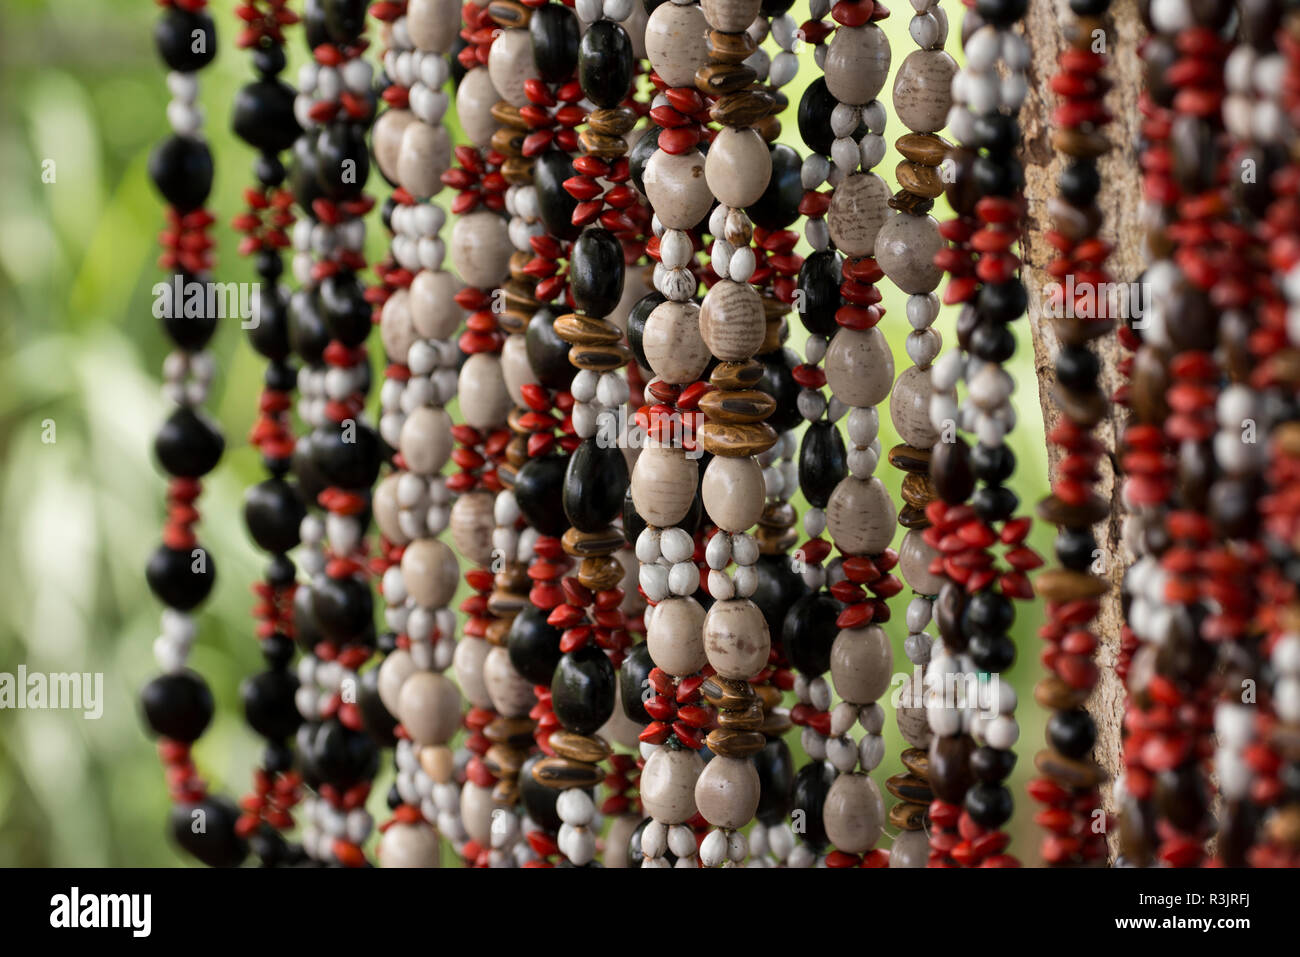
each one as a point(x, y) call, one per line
point(1013, 90)
point(720, 585)
point(819, 693)
point(863, 425)
point(684, 578)
point(654, 582)
point(844, 120)
point(842, 753)
point(875, 117)
point(818, 234)
point(717, 553)
point(845, 154)
point(982, 49)
point(924, 29)
point(676, 545)
point(801, 855)
point(1171, 16)
point(811, 404)
point(738, 845)
point(584, 419)
point(675, 249)
point(871, 150)
point(589, 10)
point(578, 844)
point(814, 522)
point(784, 68)
point(1286, 654)
point(618, 10)
point(742, 264)
point(813, 743)
point(654, 839)
point(612, 390)
point(745, 581)
point(575, 807)
point(814, 171)
point(713, 849)
point(1002, 732)
point(647, 545)
point(681, 840)
point(871, 751)
point(744, 549)
point(584, 385)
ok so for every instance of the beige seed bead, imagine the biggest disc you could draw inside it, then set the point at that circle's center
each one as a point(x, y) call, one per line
point(384, 505)
point(738, 166)
point(676, 636)
point(734, 492)
point(854, 813)
point(516, 368)
point(923, 90)
point(905, 249)
point(862, 663)
point(511, 693)
point(510, 64)
point(425, 440)
point(730, 16)
point(475, 98)
point(677, 188)
point(909, 408)
point(433, 310)
point(731, 321)
point(676, 41)
point(910, 849)
point(409, 845)
point(393, 672)
point(727, 791)
point(387, 138)
point(429, 708)
point(857, 64)
point(484, 399)
point(430, 572)
point(857, 211)
point(472, 524)
point(673, 344)
point(663, 485)
point(425, 155)
point(667, 785)
point(396, 329)
point(736, 638)
point(860, 516)
point(438, 762)
point(913, 725)
point(468, 661)
point(914, 557)
point(433, 24)
point(860, 366)
point(480, 249)
point(476, 809)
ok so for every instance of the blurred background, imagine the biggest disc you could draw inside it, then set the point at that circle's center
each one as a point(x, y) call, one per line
point(82, 95)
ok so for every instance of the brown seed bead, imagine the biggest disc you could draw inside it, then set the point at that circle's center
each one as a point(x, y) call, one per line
point(508, 13)
point(921, 180)
point(600, 572)
point(1070, 773)
point(742, 109)
point(925, 149)
point(600, 358)
point(737, 375)
point(907, 817)
point(905, 458)
point(908, 787)
point(917, 489)
point(722, 694)
point(917, 760)
point(736, 440)
point(602, 147)
point(501, 760)
point(1064, 584)
point(748, 405)
point(583, 544)
point(750, 719)
point(612, 122)
point(730, 47)
point(508, 114)
point(579, 330)
point(1053, 694)
point(509, 142)
point(735, 744)
point(580, 747)
point(565, 773)
point(718, 79)
point(1092, 511)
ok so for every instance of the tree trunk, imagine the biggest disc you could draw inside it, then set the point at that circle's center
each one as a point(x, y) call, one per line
point(1119, 201)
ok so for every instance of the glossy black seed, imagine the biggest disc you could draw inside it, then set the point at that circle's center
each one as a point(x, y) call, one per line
point(636, 320)
point(342, 607)
point(538, 800)
point(989, 613)
point(188, 445)
point(342, 160)
point(583, 690)
point(995, 503)
point(777, 588)
point(819, 285)
point(191, 326)
point(263, 115)
point(774, 8)
point(640, 154)
point(1089, 8)
point(186, 41)
point(1077, 368)
point(303, 165)
point(596, 271)
point(375, 718)
point(811, 785)
point(1002, 301)
point(992, 342)
point(277, 650)
point(178, 706)
point(951, 470)
point(1079, 183)
point(778, 207)
point(633, 523)
point(550, 170)
point(1180, 797)
point(270, 171)
point(992, 765)
point(548, 354)
point(605, 61)
point(775, 765)
point(634, 683)
point(991, 653)
point(960, 183)
point(345, 19)
point(206, 831)
point(308, 334)
point(343, 757)
point(990, 805)
point(181, 578)
point(305, 630)
point(1076, 548)
point(998, 175)
point(344, 308)
point(554, 30)
point(346, 453)
point(1072, 733)
point(594, 485)
point(539, 490)
point(1234, 507)
point(311, 482)
point(808, 632)
point(269, 707)
point(534, 646)
point(778, 382)
point(948, 611)
point(996, 131)
point(823, 462)
point(273, 513)
point(269, 60)
point(270, 335)
point(181, 170)
point(815, 107)
point(993, 463)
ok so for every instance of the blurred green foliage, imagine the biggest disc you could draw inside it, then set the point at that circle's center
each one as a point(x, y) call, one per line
point(81, 88)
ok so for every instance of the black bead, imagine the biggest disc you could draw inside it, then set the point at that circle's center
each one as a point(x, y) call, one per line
point(814, 117)
point(594, 485)
point(186, 41)
point(778, 207)
point(343, 757)
point(993, 463)
point(342, 607)
point(181, 169)
point(951, 470)
point(823, 462)
point(554, 30)
point(539, 491)
point(583, 690)
point(1076, 548)
point(1089, 8)
point(634, 683)
point(347, 453)
point(1079, 183)
point(548, 354)
point(777, 588)
point(948, 610)
point(1077, 368)
point(992, 765)
point(188, 445)
point(774, 8)
point(344, 309)
point(269, 707)
point(811, 785)
point(1072, 733)
point(1002, 301)
point(636, 320)
point(344, 19)
point(554, 204)
point(305, 630)
point(533, 645)
point(206, 830)
point(191, 326)
point(640, 154)
point(273, 513)
point(991, 653)
point(808, 632)
point(992, 342)
point(342, 160)
point(633, 523)
point(819, 288)
point(989, 613)
point(308, 334)
point(311, 481)
point(181, 578)
point(996, 131)
point(263, 115)
point(538, 800)
point(995, 503)
point(605, 62)
point(989, 805)
point(280, 376)
point(778, 382)
point(277, 650)
point(270, 171)
point(269, 59)
point(596, 271)
point(775, 766)
point(998, 176)
point(375, 717)
point(178, 706)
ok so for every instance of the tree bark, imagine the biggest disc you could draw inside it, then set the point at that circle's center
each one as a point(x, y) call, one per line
point(1120, 203)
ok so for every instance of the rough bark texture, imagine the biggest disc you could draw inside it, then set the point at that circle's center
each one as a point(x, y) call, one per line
point(1119, 201)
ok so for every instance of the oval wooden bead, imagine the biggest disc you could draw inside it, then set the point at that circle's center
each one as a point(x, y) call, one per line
point(733, 492)
point(510, 65)
point(667, 784)
point(862, 664)
point(433, 24)
point(923, 90)
point(480, 249)
point(384, 506)
point(477, 806)
point(387, 139)
point(484, 401)
point(511, 693)
point(736, 639)
point(854, 813)
point(472, 524)
point(425, 154)
point(663, 485)
point(857, 64)
point(910, 849)
point(676, 41)
point(673, 344)
point(742, 406)
point(677, 188)
point(396, 329)
point(909, 408)
point(726, 792)
point(858, 209)
point(905, 249)
point(434, 312)
point(429, 708)
point(475, 98)
point(731, 320)
point(676, 636)
point(408, 846)
point(914, 557)
point(425, 441)
point(515, 368)
point(860, 516)
point(430, 571)
point(730, 16)
point(738, 166)
point(859, 367)
point(468, 661)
